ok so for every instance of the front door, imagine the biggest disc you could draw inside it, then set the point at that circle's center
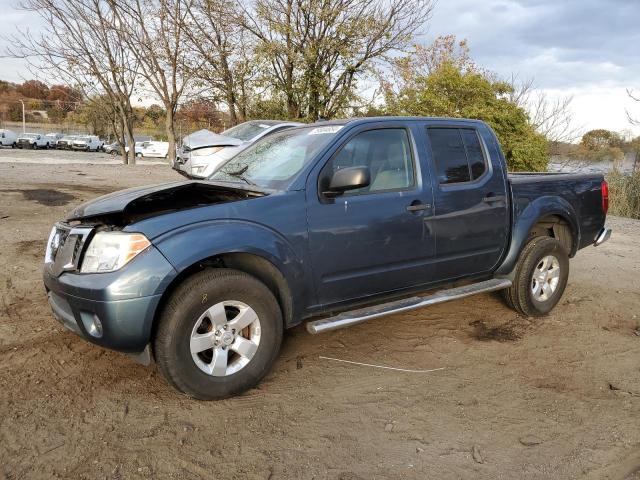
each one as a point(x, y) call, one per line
point(471, 221)
point(374, 239)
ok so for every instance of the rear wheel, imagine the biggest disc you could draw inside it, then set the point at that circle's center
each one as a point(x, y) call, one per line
point(218, 335)
point(540, 278)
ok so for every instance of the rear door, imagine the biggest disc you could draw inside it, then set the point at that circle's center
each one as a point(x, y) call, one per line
point(375, 239)
point(471, 221)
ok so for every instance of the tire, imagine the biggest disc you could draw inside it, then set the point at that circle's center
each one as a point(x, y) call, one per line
point(540, 277)
point(34, 146)
point(194, 311)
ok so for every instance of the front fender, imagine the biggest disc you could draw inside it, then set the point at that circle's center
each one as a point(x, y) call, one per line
point(191, 244)
point(526, 218)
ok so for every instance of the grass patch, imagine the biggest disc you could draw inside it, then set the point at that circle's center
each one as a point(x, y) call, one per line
point(624, 194)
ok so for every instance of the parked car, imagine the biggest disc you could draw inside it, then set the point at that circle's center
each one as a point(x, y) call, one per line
point(114, 148)
point(87, 143)
point(341, 223)
point(52, 139)
point(111, 148)
point(138, 147)
point(66, 142)
point(91, 143)
point(154, 149)
point(31, 140)
point(204, 152)
point(8, 138)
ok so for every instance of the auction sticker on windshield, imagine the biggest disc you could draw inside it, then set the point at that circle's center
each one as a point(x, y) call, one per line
point(327, 129)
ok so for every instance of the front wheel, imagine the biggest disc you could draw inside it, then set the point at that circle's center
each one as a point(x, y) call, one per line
point(218, 335)
point(540, 278)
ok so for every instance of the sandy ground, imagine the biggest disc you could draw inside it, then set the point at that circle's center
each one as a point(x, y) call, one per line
point(518, 398)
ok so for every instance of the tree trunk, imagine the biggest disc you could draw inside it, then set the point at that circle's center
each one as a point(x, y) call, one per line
point(231, 104)
point(171, 132)
point(119, 133)
point(129, 157)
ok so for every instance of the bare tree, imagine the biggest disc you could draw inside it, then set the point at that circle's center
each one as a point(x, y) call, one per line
point(317, 50)
point(633, 96)
point(154, 30)
point(80, 46)
point(552, 117)
point(226, 61)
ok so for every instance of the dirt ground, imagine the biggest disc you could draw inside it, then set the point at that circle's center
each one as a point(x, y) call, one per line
point(518, 398)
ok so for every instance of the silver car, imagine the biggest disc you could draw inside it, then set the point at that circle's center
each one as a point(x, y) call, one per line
point(204, 152)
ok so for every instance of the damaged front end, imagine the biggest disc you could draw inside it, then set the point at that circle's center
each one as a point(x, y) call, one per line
point(94, 229)
point(94, 286)
point(125, 207)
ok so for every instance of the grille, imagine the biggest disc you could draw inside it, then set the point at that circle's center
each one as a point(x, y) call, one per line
point(66, 247)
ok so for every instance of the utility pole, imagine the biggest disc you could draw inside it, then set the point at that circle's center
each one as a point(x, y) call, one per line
point(24, 128)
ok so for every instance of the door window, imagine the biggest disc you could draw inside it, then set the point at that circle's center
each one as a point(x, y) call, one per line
point(457, 153)
point(387, 153)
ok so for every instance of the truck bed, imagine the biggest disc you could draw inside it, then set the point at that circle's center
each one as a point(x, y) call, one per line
point(582, 192)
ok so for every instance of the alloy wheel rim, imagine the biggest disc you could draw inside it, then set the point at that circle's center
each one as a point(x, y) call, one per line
point(225, 338)
point(545, 279)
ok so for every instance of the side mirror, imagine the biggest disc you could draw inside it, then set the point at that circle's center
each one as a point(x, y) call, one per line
point(346, 179)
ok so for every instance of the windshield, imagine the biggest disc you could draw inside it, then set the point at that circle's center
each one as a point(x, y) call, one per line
point(246, 131)
point(274, 161)
point(29, 135)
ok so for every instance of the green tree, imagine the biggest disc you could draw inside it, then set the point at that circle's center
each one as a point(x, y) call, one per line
point(451, 90)
point(600, 138)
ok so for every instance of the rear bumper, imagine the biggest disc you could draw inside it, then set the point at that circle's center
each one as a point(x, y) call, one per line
point(603, 236)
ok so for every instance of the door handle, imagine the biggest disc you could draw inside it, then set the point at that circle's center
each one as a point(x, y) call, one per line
point(493, 198)
point(416, 207)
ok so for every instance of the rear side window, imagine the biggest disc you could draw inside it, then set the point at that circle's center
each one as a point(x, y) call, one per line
point(457, 153)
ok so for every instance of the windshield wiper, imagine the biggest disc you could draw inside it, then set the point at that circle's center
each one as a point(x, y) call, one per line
point(239, 174)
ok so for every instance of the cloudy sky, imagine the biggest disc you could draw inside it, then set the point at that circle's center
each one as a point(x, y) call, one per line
point(584, 48)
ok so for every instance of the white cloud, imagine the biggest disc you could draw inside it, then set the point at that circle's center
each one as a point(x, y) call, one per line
point(586, 48)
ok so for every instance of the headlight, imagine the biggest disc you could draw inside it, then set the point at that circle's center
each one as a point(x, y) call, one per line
point(109, 251)
point(203, 152)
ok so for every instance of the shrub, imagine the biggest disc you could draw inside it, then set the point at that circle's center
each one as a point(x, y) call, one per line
point(624, 194)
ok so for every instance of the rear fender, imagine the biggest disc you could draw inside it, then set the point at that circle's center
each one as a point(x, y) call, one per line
point(527, 218)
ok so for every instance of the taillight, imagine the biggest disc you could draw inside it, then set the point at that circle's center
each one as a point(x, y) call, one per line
point(604, 189)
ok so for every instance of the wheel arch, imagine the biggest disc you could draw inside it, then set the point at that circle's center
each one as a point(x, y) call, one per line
point(546, 216)
point(255, 265)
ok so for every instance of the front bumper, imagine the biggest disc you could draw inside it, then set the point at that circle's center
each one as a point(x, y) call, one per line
point(602, 236)
point(116, 309)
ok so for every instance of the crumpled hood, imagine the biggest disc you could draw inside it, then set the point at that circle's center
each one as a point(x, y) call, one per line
point(126, 206)
point(206, 138)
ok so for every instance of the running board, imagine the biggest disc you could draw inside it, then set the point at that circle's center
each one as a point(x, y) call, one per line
point(353, 317)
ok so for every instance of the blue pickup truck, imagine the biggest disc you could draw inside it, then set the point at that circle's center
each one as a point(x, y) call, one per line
point(336, 223)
